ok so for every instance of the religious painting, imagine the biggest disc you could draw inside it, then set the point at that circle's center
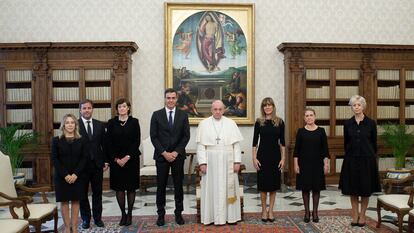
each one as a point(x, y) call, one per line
point(209, 51)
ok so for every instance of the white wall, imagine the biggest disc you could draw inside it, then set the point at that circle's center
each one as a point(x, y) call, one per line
point(277, 21)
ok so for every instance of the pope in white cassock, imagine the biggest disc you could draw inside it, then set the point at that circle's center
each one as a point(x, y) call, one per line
point(219, 156)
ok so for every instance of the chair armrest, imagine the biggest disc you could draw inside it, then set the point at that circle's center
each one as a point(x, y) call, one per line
point(389, 183)
point(42, 190)
point(15, 204)
point(25, 199)
point(410, 190)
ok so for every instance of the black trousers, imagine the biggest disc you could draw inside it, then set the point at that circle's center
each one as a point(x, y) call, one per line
point(177, 172)
point(94, 176)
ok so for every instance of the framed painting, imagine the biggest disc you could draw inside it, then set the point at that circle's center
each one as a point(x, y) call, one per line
point(209, 55)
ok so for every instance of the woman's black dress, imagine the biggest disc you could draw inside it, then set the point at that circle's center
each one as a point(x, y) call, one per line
point(311, 148)
point(268, 154)
point(69, 157)
point(123, 138)
point(359, 174)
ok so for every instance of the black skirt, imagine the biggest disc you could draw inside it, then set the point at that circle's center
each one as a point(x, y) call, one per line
point(69, 192)
point(126, 177)
point(359, 176)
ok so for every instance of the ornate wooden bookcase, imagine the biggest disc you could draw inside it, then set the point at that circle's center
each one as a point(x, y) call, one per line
point(325, 76)
point(42, 81)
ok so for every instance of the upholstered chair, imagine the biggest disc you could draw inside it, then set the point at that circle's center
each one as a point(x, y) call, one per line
point(34, 213)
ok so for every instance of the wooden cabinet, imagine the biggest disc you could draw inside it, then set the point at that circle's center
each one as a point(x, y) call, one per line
point(325, 76)
point(40, 82)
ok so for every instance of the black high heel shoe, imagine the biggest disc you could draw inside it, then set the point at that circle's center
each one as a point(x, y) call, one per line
point(306, 219)
point(123, 220)
point(354, 224)
point(128, 219)
point(315, 217)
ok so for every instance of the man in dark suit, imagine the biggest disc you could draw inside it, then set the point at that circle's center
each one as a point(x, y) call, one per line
point(170, 133)
point(94, 131)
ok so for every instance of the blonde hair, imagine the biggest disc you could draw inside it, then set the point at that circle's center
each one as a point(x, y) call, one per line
point(62, 126)
point(359, 98)
point(262, 119)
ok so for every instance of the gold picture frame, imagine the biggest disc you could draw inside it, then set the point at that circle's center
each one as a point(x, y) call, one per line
point(209, 55)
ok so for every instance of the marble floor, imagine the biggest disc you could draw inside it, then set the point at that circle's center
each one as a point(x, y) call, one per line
point(289, 200)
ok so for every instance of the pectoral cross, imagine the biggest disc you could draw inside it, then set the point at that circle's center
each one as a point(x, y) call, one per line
point(218, 139)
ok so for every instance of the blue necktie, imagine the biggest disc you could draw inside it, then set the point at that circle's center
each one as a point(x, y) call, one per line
point(170, 120)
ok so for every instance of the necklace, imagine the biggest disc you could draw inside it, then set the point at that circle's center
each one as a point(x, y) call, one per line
point(122, 123)
point(311, 128)
point(217, 132)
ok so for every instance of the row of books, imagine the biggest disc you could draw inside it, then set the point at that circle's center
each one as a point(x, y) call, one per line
point(102, 114)
point(73, 75)
point(391, 92)
point(346, 91)
point(343, 112)
point(323, 74)
point(347, 74)
point(317, 74)
point(393, 75)
point(342, 92)
point(409, 93)
point(409, 75)
point(19, 94)
point(98, 93)
point(339, 130)
point(409, 111)
point(19, 115)
point(18, 75)
point(66, 94)
point(317, 92)
point(65, 75)
point(98, 75)
point(387, 112)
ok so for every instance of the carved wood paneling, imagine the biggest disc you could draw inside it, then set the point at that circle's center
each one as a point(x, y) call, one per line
point(367, 58)
point(42, 58)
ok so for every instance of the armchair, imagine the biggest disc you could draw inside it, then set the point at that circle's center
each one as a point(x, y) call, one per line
point(14, 225)
point(24, 208)
point(400, 204)
point(148, 172)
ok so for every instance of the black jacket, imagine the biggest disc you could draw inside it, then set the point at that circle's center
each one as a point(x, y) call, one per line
point(165, 139)
point(68, 158)
point(95, 146)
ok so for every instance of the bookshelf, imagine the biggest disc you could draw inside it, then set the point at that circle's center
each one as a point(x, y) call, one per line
point(18, 89)
point(41, 82)
point(325, 76)
point(67, 92)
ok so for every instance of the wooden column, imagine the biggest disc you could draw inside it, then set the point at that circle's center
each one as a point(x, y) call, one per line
point(369, 87)
point(295, 101)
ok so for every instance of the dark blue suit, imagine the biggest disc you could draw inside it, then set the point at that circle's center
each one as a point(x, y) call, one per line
point(169, 139)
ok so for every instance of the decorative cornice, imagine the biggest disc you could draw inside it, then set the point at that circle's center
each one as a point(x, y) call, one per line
point(128, 45)
point(338, 46)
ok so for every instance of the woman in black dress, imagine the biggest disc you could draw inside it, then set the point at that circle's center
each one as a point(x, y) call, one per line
point(359, 173)
point(123, 137)
point(311, 162)
point(69, 161)
point(270, 157)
